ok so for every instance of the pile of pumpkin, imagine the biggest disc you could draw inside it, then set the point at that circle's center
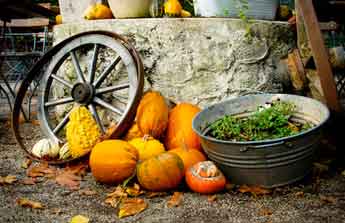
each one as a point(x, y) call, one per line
point(158, 166)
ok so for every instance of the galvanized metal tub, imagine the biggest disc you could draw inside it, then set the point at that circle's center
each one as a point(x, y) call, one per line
point(269, 163)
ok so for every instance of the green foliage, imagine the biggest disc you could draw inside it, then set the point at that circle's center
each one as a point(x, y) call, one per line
point(271, 122)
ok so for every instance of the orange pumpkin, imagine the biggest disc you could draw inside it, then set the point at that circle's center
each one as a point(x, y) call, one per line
point(160, 173)
point(205, 178)
point(133, 132)
point(152, 114)
point(189, 156)
point(113, 161)
point(180, 130)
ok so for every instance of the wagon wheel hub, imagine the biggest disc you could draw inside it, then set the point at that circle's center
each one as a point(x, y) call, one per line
point(82, 93)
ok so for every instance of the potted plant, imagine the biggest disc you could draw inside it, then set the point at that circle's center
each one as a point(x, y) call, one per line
point(254, 9)
point(263, 139)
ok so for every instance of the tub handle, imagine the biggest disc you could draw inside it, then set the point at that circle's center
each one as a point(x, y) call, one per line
point(287, 144)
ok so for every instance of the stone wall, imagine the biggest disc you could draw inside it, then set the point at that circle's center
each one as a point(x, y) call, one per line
point(202, 60)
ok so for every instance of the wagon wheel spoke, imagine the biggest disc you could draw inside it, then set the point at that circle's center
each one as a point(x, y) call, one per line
point(106, 72)
point(59, 102)
point(77, 67)
point(98, 120)
point(62, 123)
point(112, 88)
point(108, 106)
point(93, 63)
point(62, 81)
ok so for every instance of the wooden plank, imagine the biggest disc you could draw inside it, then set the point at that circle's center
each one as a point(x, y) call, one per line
point(320, 54)
point(33, 22)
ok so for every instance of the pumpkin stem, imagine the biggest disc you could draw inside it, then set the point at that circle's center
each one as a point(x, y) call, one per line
point(146, 137)
point(207, 169)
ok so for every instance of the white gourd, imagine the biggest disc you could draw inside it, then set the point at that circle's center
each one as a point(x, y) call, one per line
point(46, 147)
point(64, 152)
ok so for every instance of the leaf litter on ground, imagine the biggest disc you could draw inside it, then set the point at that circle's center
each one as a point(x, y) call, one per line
point(175, 200)
point(87, 192)
point(254, 190)
point(28, 181)
point(114, 198)
point(131, 206)
point(134, 190)
point(68, 179)
point(212, 198)
point(328, 199)
point(41, 170)
point(26, 163)
point(24, 202)
point(152, 194)
point(9, 179)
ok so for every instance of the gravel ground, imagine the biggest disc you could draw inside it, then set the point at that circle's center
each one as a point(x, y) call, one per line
point(283, 205)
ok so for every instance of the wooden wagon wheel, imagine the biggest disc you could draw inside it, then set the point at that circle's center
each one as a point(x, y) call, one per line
point(88, 88)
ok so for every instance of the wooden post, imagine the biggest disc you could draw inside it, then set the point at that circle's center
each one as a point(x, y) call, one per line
point(306, 10)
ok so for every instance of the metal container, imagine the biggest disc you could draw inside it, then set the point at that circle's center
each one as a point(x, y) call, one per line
point(269, 163)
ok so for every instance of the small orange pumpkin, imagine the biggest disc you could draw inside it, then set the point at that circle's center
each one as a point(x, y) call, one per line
point(160, 173)
point(152, 114)
point(180, 130)
point(205, 178)
point(189, 156)
point(147, 147)
point(113, 161)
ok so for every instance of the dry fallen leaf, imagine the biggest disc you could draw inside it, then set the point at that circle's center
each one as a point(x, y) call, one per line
point(328, 199)
point(131, 206)
point(343, 173)
point(175, 199)
point(299, 194)
point(24, 202)
point(113, 201)
point(87, 192)
point(115, 197)
point(68, 179)
point(155, 194)
point(212, 198)
point(134, 191)
point(77, 169)
point(41, 170)
point(10, 179)
point(254, 190)
point(28, 181)
point(265, 212)
point(79, 219)
point(26, 163)
point(118, 192)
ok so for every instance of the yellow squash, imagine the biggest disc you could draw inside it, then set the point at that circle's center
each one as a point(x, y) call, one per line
point(172, 8)
point(82, 132)
point(98, 11)
point(147, 147)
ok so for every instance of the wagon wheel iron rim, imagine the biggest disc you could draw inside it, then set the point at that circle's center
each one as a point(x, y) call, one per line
point(87, 89)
